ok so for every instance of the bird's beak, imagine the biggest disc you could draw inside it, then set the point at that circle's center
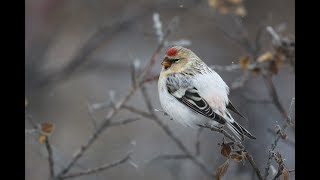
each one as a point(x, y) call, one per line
point(166, 62)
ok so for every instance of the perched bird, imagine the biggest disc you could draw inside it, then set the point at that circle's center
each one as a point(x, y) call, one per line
point(194, 94)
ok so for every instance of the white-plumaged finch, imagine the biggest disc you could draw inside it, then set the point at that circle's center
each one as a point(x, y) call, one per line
point(194, 95)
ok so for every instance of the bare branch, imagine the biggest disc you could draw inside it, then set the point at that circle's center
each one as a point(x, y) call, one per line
point(275, 97)
point(30, 131)
point(171, 157)
point(98, 169)
point(85, 146)
point(93, 119)
point(275, 142)
point(152, 78)
point(33, 124)
point(254, 166)
point(197, 145)
point(275, 37)
point(50, 157)
point(124, 122)
point(177, 141)
point(287, 141)
point(229, 68)
point(137, 111)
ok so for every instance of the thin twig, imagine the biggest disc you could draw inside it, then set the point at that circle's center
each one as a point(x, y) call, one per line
point(275, 142)
point(228, 68)
point(254, 165)
point(171, 157)
point(151, 79)
point(177, 141)
point(93, 119)
point(30, 119)
point(50, 157)
point(137, 111)
point(197, 145)
point(30, 131)
point(98, 169)
point(86, 146)
point(124, 122)
point(287, 141)
point(98, 131)
point(274, 96)
point(278, 174)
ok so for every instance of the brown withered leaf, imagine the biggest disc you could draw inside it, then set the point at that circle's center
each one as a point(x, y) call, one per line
point(47, 127)
point(235, 7)
point(224, 9)
point(241, 11)
point(213, 3)
point(225, 150)
point(222, 169)
point(256, 71)
point(279, 60)
point(244, 62)
point(42, 138)
point(273, 67)
point(265, 57)
point(285, 173)
point(238, 156)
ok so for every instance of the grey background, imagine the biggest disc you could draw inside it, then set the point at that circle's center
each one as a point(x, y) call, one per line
point(54, 32)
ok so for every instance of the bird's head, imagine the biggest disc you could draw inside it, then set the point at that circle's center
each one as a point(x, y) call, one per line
point(177, 59)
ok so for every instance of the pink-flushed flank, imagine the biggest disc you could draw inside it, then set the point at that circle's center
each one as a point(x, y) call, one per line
point(172, 51)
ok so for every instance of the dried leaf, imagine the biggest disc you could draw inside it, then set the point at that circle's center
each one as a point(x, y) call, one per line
point(241, 11)
point(42, 138)
point(238, 156)
point(47, 127)
point(256, 70)
point(273, 67)
point(265, 57)
point(224, 10)
point(213, 3)
point(244, 62)
point(285, 173)
point(279, 60)
point(222, 169)
point(225, 150)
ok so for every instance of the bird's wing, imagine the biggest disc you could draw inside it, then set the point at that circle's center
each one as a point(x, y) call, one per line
point(232, 108)
point(181, 88)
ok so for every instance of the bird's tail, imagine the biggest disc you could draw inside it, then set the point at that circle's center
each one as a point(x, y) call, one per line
point(238, 130)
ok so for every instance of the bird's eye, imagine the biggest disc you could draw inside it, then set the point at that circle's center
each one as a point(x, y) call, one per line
point(175, 60)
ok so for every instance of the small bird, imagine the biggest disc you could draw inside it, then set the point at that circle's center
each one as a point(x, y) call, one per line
point(194, 95)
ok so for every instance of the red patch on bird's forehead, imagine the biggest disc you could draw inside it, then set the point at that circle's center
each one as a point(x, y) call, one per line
point(172, 51)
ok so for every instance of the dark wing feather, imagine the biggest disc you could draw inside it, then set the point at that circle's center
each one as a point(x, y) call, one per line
point(181, 89)
point(232, 108)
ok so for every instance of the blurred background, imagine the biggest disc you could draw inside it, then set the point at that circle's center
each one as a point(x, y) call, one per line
point(78, 51)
